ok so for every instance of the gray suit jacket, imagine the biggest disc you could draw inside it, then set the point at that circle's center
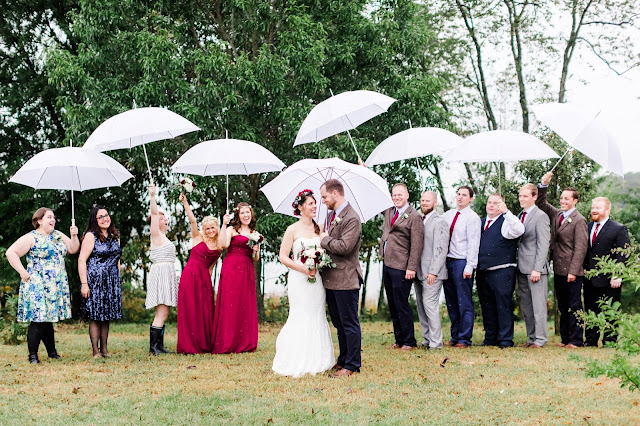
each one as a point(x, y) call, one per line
point(404, 240)
point(343, 245)
point(569, 241)
point(434, 252)
point(534, 243)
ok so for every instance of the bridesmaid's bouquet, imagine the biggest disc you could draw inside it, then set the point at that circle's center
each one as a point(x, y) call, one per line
point(187, 185)
point(314, 257)
point(254, 238)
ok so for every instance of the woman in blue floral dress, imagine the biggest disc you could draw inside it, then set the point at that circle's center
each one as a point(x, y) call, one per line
point(44, 287)
point(99, 270)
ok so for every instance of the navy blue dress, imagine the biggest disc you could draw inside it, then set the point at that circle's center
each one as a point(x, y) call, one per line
point(105, 294)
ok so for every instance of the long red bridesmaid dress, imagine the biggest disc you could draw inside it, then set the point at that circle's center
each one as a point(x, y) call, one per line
point(196, 302)
point(235, 326)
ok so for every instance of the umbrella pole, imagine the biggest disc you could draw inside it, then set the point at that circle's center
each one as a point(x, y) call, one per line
point(73, 211)
point(499, 178)
point(558, 162)
point(227, 194)
point(354, 147)
point(147, 160)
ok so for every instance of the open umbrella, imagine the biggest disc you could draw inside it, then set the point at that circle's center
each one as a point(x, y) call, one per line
point(414, 143)
point(366, 191)
point(500, 146)
point(342, 113)
point(73, 169)
point(138, 126)
point(227, 157)
point(587, 131)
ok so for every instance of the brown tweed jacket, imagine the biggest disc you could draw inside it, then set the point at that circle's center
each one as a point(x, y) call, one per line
point(404, 239)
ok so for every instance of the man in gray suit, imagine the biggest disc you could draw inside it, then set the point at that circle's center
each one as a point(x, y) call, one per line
point(432, 270)
point(341, 240)
point(532, 267)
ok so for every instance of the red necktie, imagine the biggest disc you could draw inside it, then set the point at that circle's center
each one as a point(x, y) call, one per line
point(595, 234)
point(453, 224)
point(561, 220)
point(488, 223)
point(395, 216)
point(333, 217)
point(524, 214)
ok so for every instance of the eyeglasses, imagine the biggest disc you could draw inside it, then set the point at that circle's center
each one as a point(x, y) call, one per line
point(102, 217)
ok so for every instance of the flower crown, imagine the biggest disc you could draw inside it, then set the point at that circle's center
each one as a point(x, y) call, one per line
point(301, 195)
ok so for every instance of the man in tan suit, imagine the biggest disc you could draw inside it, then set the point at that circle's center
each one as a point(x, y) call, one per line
point(400, 249)
point(341, 240)
point(569, 243)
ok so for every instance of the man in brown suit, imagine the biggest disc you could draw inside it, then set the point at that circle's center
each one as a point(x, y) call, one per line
point(569, 243)
point(400, 249)
point(341, 240)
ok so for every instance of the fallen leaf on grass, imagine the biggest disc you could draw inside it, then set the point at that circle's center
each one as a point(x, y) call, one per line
point(191, 367)
point(598, 384)
point(502, 391)
point(405, 393)
point(75, 390)
point(635, 403)
point(444, 361)
point(312, 411)
point(269, 420)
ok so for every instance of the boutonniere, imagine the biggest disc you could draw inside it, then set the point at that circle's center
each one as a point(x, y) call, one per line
point(405, 216)
point(569, 220)
point(336, 221)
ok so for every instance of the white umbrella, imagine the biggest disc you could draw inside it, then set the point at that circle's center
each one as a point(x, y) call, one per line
point(138, 126)
point(227, 157)
point(342, 113)
point(366, 191)
point(414, 143)
point(587, 131)
point(500, 146)
point(74, 169)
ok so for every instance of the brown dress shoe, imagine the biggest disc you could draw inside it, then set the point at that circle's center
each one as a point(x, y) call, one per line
point(571, 346)
point(534, 346)
point(337, 367)
point(343, 373)
point(526, 345)
point(394, 346)
point(460, 345)
point(449, 343)
point(561, 345)
point(407, 348)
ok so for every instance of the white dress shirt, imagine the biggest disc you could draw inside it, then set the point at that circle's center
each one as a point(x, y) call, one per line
point(528, 212)
point(593, 228)
point(511, 229)
point(465, 240)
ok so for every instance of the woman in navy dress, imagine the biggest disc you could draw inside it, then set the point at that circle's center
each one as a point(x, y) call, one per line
point(99, 270)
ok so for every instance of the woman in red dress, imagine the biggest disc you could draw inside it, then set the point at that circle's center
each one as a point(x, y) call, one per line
point(236, 319)
point(195, 291)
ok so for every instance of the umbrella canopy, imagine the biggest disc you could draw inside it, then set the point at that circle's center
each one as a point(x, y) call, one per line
point(138, 126)
point(366, 191)
point(501, 146)
point(342, 113)
point(74, 169)
point(414, 143)
point(587, 131)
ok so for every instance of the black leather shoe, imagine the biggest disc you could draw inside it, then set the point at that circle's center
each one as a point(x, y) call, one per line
point(161, 347)
point(33, 358)
point(54, 355)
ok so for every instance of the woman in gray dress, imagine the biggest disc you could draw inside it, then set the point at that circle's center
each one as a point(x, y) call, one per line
point(162, 286)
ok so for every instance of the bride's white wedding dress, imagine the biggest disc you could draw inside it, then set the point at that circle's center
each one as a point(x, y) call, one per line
point(304, 345)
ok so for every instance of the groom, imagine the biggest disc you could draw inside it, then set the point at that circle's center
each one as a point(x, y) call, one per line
point(341, 240)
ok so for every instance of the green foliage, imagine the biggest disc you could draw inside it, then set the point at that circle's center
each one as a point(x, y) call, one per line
point(628, 271)
point(12, 332)
point(624, 364)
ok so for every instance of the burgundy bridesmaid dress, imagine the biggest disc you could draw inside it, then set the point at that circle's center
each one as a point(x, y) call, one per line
point(196, 303)
point(236, 321)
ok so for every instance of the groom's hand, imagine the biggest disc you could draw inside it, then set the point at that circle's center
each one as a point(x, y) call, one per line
point(409, 275)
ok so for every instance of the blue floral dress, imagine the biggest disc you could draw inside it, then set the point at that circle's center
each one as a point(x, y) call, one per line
point(45, 297)
point(105, 294)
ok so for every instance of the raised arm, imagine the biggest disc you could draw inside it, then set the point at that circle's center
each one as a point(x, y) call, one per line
point(225, 237)
point(156, 235)
point(542, 202)
point(16, 251)
point(196, 237)
point(88, 242)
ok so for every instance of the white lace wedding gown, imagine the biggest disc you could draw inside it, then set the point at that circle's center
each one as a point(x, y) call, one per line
point(304, 345)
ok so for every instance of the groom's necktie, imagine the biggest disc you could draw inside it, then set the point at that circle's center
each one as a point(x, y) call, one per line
point(333, 217)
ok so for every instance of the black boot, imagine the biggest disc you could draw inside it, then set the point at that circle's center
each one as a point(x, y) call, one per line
point(161, 347)
point(49, 340)
point(34, 334)
point(33, 358)
point(154, 339)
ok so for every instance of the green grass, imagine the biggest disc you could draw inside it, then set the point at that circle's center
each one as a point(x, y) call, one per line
point(477, 385)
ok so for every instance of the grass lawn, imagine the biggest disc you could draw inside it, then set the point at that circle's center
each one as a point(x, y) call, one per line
point(477, 385)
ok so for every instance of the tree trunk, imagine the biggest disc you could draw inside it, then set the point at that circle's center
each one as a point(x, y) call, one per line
point(366, 278)
point(381, 296)
point(515, 19)
point(257, 269)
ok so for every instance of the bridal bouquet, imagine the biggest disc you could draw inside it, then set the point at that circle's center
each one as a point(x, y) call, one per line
point(314, 257)
point(254, 238)
point(187, 185)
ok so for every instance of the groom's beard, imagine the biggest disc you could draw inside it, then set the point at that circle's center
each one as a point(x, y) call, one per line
point(427, 211)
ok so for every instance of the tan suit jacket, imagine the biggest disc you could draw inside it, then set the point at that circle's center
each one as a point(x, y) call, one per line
point(404, 239)
point(343, 245)
point(569, 241)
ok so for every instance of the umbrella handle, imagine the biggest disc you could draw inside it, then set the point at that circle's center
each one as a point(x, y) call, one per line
point(558, 162)
point(147, 160)
point(354, 147)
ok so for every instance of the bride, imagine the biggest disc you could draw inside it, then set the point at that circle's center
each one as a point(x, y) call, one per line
point(304, 345)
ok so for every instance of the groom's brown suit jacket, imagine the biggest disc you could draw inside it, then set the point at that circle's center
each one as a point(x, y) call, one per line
point(343, 245)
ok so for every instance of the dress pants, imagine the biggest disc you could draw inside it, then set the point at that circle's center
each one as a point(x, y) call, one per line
point(533, 304)
point(458, 296)
point(568, 295)
point(428, 302)
point(592, 295)
point(398, 290)
point(343, 309)
point(495, 291)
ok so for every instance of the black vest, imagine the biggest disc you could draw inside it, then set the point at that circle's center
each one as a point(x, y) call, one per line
point(494, 248)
